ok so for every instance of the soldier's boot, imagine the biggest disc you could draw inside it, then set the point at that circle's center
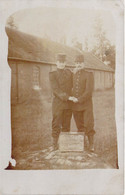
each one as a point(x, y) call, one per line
point(55, 143)
point(91, 143)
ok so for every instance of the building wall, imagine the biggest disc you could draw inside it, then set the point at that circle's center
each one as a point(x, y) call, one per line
point(24, 81)
point(32, 79)
point(103, 80)
point(44, 79)
point(28, 79)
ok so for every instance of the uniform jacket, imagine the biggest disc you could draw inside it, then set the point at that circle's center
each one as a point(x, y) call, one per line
point(83, 84)
point(61, 84)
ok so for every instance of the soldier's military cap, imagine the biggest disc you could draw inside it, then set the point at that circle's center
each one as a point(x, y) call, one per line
point(79, 59)
point(61, 57)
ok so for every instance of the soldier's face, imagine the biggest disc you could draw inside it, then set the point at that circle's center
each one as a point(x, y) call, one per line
point(80, 65)
point(61, 65)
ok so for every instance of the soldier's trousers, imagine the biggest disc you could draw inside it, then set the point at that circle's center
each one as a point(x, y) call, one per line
point(85, 121)
point(61, 121)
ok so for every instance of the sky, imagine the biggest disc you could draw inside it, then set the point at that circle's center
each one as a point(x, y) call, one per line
point(69, 23)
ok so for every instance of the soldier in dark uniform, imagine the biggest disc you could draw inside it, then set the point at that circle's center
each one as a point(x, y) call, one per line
point(61, 84)
point(83, 82)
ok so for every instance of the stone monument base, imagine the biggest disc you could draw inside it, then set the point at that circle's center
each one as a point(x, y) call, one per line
point(71, 142)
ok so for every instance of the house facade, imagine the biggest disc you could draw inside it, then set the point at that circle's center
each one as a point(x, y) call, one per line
point(30, 66)
point(29, 76)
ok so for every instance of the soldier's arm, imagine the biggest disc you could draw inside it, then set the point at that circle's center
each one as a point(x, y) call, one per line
point(55, 88)
point(89, 88)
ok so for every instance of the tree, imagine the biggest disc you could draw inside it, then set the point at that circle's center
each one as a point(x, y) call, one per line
point(100, 39)
point(110, 56)
point(11, 22)
point(76, 43)
point(103, 48)
point(86, 44)
point(63, 39)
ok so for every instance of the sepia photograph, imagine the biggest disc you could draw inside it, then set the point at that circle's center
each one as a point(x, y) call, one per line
point(62, 64)
point(61, 97)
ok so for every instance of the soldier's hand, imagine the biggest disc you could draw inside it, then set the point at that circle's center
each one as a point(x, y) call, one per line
point(71, 98)
point(75, 100)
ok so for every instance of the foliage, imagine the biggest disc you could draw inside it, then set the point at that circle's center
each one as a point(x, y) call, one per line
point(11, 23)
point(103, 48)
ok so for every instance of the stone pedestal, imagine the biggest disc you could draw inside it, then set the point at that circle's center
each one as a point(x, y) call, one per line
point(71, 142)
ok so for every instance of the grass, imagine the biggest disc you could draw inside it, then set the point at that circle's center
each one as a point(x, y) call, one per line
point(104, 114)
point(31, 126)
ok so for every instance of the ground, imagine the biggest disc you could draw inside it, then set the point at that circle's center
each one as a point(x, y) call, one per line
point(31, 136)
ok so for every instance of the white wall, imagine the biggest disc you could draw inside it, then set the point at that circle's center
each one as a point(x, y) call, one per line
point(102, 80)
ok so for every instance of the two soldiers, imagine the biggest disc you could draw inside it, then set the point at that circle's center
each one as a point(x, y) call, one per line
point(72, 94)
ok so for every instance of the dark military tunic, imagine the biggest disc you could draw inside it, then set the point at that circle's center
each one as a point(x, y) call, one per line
point(61, 84)
point(83, 84)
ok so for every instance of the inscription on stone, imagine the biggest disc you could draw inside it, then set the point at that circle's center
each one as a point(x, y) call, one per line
point(71, 141)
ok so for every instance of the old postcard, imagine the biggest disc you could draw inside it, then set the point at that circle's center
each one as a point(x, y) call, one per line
point(62, 97)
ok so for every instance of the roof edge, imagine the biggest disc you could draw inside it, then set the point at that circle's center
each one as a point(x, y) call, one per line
point(52, 63)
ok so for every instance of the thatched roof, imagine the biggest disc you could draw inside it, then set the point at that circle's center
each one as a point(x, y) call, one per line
point(25, 46)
